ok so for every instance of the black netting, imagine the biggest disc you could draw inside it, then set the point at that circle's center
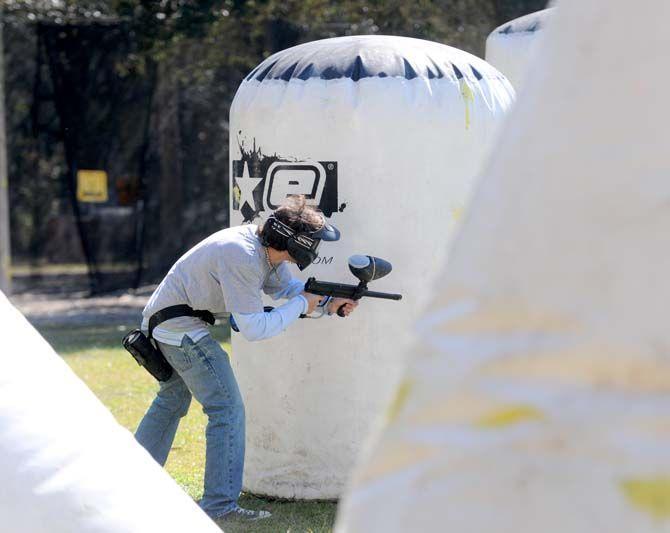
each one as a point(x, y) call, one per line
point(82, 99)
point(103, 113)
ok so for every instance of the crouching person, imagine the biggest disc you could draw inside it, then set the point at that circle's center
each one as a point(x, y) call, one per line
point(226, 273)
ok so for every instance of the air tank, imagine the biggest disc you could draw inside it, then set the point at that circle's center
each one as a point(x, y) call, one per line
point(385, 135)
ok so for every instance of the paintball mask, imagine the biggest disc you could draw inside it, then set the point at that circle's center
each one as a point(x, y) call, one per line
point(302, 246)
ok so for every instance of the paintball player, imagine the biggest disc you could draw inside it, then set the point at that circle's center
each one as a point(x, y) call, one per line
point(225, 273)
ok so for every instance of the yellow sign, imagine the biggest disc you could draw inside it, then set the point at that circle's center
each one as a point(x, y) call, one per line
point(92, 186)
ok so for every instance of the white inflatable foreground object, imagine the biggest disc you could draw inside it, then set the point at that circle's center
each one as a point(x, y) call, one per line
point(511, 47)
point(385, 135)
point(538, 395)
point(65, 464)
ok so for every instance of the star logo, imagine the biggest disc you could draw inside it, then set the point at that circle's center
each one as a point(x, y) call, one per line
point(247, 185)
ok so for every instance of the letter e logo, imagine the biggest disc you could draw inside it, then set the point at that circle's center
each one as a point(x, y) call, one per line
point(289, 179)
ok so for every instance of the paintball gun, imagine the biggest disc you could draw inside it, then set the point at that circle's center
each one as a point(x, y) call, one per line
point(366, 268)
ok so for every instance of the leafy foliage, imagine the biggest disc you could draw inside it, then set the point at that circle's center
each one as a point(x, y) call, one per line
point(193, 54)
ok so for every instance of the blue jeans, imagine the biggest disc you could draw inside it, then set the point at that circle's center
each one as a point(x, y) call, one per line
point(203, 369)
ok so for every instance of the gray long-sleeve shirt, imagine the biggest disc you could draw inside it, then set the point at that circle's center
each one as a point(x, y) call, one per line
point(225, 273)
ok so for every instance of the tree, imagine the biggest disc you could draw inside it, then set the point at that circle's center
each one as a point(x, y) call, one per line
point(192, 55)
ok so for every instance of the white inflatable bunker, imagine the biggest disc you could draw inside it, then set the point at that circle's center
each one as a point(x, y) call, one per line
point(65, 464)
point(511, 47)
point(385, 135)
point(537, 397)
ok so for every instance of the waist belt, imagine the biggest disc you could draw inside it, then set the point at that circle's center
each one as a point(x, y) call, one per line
point(175, 311)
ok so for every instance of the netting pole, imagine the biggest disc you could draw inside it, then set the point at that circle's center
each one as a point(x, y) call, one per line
point(141, 203)
point(70, 133)
point(5, 251)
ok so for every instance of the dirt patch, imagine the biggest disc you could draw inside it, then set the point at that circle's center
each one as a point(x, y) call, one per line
point(53, 310)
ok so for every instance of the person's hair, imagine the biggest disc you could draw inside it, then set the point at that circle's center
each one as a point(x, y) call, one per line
point(297, 215)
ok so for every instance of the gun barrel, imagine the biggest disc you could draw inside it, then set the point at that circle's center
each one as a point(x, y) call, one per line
point(342, 290)
point(383, 295)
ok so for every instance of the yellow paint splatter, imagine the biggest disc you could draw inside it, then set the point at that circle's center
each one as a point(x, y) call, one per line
point(508, 416)
point(649, 495)
point(457, 213)
point(401, 395)
point(468, 99)
point(392, 459)
point(237, 194)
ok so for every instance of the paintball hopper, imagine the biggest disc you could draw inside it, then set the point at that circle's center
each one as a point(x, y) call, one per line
point(367, 268)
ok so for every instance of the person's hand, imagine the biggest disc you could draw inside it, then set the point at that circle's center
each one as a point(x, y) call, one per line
point(336, 303)
point(312, 301)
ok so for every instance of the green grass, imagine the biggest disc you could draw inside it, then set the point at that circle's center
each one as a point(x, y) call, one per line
point(95, 354)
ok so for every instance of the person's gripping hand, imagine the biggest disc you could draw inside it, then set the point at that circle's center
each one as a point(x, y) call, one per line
point(336, 303)
point(312, 301)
